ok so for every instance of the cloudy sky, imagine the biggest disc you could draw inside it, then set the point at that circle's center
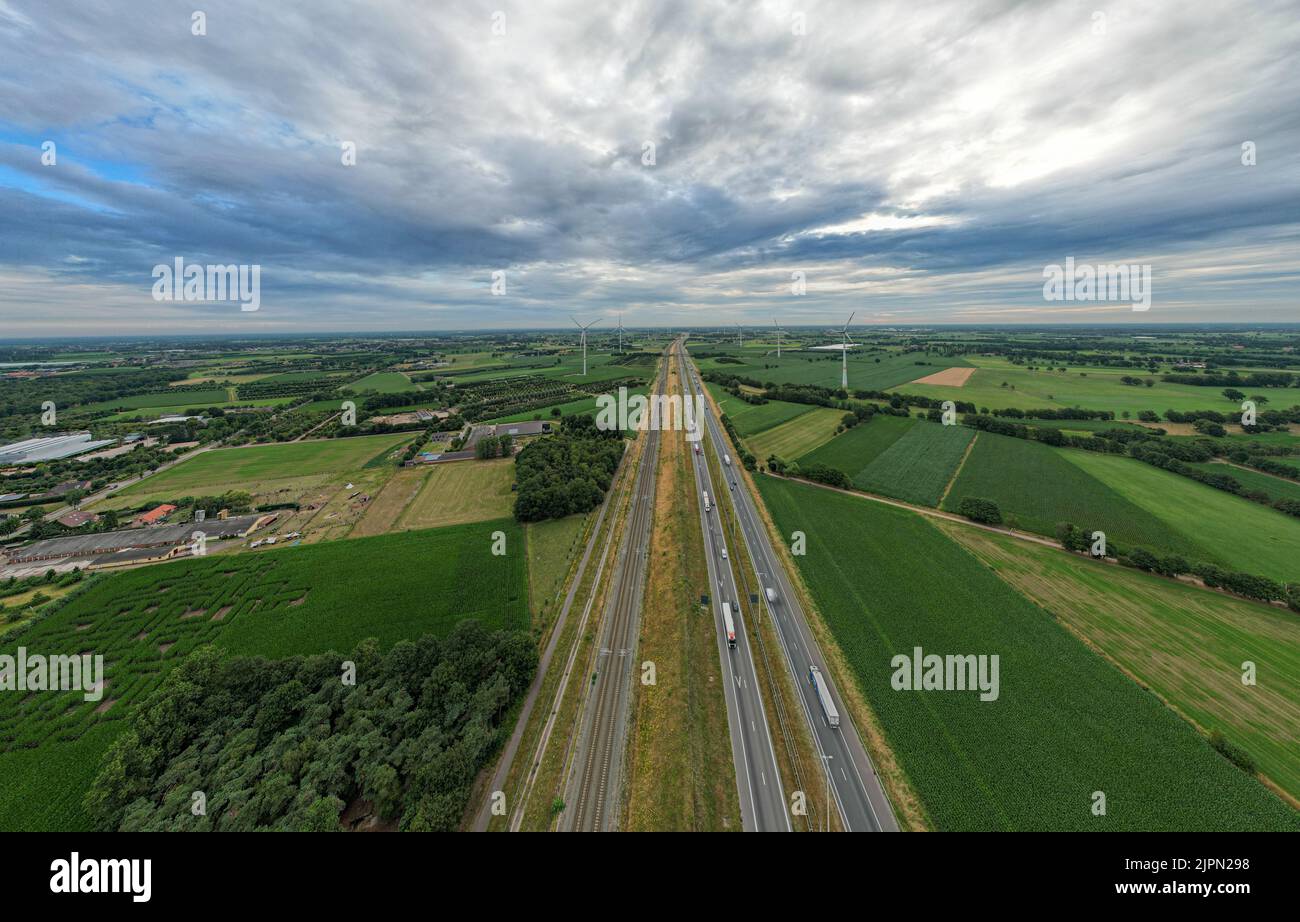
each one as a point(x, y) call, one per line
point(678, 161)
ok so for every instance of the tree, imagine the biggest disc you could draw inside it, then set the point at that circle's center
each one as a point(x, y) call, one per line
point(980, 510)
point(322, 815)
point(1233, 394)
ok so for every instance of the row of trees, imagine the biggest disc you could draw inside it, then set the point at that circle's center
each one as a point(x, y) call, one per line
point(495, 446)
point(1248, 585)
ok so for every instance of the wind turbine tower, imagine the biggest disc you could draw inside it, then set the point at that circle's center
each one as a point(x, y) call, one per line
point(778, 337)
point(584, 339)
point(844, 353)
point(620, 334)
point(740, 335)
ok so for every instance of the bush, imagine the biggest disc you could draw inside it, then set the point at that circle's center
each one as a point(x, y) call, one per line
point(980, 510)
point(1233, 753)
point(820, 473)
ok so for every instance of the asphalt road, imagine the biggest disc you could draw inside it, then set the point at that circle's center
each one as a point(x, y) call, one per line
point(762, 801)
point(858, 793)
point(595, 783)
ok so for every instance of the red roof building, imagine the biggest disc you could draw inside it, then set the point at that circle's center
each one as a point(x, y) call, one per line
point(154, 516)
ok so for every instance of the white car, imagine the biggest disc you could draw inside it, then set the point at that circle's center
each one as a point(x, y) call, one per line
point(724, 553)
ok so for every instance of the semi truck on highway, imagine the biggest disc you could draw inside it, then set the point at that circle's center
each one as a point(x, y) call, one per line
point(824, 696)
point(728, 624)
point(707, 507)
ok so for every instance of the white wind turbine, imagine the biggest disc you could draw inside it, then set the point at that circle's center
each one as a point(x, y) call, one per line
point(584, 330)
point(740, 335)
point(620, 334)
point(779, 331)
point(844, 353)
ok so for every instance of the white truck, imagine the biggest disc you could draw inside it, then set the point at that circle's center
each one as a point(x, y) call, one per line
point(771, 594)
point(824, 696)
point(726, 459)
point(707, 507)
point(729, 625)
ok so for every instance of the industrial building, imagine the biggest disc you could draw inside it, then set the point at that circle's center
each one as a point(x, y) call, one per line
point(50, 448)
point(112, 542)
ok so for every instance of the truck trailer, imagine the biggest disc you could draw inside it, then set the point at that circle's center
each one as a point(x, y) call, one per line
point(728, 624)
point(824, 696)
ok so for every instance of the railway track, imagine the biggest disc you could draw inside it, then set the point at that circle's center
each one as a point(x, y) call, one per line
point(592, 794)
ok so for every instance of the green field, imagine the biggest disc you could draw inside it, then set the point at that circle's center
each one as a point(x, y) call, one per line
point(552, 545)
point(751, 419)
point(917, 467)
point(578, 407)
point(1093, 388)
point(873, 371)
point(568, 367)
point(854, 449)
point(1185, 643)
point(235, 468)
point(1036, 487)
point(307, 599)
point(1065, 724)
point(1244, 535)
point(384, 382)
point(796, 436)
point(462, 491)
point(145, 413)
point(170, 398)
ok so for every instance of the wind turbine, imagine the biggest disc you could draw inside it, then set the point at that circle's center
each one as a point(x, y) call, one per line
point(844, 353)
point(740, 335)
point(620, 334)
point(778, 337)
point(584, 330)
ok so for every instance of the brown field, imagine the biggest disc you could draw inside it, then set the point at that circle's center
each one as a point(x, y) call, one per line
point(949, 377)
point(385, 509)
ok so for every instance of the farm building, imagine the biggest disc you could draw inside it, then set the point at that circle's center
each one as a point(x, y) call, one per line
point(111, 542)
point(167, 420)
point(77, 519)
point(63, 489)
point(440, 457)
point(154, 516)
point(515, 430)
point(139, 555)
point(529, 427)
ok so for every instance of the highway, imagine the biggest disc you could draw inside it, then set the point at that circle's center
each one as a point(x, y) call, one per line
point(593, 792)
point(762, 802)
point(859, 795)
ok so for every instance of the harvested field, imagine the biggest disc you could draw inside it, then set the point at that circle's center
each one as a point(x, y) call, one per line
point(949, 377)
